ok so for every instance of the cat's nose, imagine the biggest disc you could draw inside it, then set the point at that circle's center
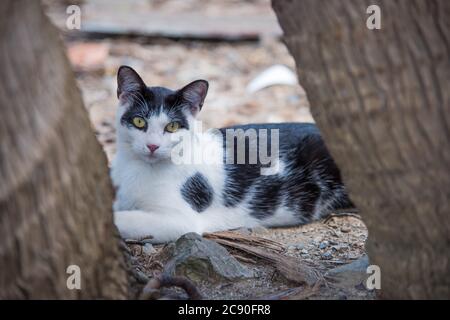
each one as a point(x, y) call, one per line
point(152, 147)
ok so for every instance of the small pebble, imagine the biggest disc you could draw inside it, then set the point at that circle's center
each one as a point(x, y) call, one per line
point(148, 249)
point(323, 244)
point(296, 246)
point(304, 251)
point(345, 229)
point(259, 230)
point(327, 255)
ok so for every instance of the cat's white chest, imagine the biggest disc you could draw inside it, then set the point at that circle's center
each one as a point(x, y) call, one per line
point(144, 187)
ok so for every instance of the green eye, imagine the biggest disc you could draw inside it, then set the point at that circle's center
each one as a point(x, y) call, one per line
point(138, 122)
point(172, 126)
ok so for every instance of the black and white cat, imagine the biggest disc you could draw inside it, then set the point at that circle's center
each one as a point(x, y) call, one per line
point(161, 196)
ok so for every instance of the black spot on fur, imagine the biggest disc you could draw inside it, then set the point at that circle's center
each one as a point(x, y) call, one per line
point(197, 192)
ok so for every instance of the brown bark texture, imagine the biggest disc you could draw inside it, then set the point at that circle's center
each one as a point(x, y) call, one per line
point(382, 101)
point(55, 191)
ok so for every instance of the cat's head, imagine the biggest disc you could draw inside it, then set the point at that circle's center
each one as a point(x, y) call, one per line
point(150, 119)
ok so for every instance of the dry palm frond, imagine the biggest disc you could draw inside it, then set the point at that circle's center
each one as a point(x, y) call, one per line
point(269, 251)
point(232, 236)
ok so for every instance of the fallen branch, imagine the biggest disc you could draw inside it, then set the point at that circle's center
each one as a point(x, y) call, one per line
point(152, 291)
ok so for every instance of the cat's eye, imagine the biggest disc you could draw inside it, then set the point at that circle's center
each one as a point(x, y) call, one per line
point(172, 126)
point(138, 122)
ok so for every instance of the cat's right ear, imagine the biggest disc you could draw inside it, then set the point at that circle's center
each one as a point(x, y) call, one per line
point(128, 81)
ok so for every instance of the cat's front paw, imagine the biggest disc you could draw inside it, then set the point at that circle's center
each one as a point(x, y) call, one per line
point(140, 241)
point(131, 226)
point(138, 224)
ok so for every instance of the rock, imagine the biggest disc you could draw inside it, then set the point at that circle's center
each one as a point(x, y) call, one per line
point(296, 246)
point(323, 244)
point(304, 251)
point(148, 249)
point(202, 259)
point(345, 229)
point(141, 277)
point(350, 275)
point(259, 230)
point(327, 255)
point(339, 248)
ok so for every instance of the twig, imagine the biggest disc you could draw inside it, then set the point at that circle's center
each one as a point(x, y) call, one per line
point(244, 259)
point(306, 293)
point(341, 214)
point(153, 286)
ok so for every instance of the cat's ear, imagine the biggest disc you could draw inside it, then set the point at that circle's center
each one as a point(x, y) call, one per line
point(195, 93)
point(128, 81)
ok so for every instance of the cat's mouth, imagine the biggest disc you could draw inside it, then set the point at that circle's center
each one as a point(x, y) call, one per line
point(152, 158)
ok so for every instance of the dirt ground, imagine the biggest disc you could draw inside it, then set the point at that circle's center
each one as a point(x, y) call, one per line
point(229, 68)
point(322, 245)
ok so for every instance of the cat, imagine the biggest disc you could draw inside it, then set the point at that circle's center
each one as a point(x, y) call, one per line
point(160, 197)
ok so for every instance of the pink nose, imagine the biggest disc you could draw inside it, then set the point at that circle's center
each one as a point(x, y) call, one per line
point(152, 147)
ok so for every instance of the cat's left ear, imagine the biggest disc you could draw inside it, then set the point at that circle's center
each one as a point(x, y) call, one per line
point(195, 93)
point(128, 81)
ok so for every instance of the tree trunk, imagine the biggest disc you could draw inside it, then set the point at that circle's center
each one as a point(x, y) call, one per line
point(55, 192)
point(382, 101)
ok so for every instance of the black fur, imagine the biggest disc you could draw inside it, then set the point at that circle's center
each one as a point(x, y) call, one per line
point(197, 192)
point(147, 102)
point(310, 178)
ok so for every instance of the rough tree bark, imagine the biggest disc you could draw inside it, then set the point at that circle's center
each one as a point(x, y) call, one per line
point(55, 192)
point(382, 101)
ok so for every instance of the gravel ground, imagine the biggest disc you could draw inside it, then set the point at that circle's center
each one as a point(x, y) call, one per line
point(322, 245)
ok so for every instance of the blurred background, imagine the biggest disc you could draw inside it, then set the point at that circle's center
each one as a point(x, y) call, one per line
point(235, 45)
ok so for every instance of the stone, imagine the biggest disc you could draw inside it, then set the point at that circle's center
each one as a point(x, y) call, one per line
point(345, 229)
point(327, 255)
point(148, 249)
point(323, 244)
point(350, 275)
point(296, 246)
point(259, 230)
point(201, 259)
point(339, 248)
